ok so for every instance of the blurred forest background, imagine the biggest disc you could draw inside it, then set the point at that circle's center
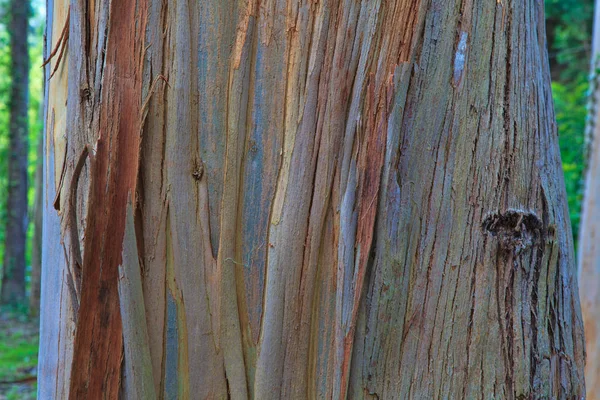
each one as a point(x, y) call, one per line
point(569, 31)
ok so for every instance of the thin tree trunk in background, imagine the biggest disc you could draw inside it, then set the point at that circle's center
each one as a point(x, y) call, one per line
point(296, 199)
point(36, 245)
point(13, 269)
point(589, 247)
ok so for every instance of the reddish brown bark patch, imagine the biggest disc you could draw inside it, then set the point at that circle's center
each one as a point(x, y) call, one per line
point(371, 155)
point(399, 48)
point(98, 349)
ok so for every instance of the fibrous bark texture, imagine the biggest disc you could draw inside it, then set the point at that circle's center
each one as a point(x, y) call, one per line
point(589, 249)
point(327, 199)
point(13, 267)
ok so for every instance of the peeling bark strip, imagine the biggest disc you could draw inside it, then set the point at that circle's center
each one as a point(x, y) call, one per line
point(137, 365)
point(332, 199)
point(98, 348)
point(371, 154)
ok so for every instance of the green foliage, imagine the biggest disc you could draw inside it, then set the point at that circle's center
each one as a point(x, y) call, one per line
point(570, 106)
point(21, 392)
point(18, 355)
point(4, 120)
point(569, 30)
point(569, 33)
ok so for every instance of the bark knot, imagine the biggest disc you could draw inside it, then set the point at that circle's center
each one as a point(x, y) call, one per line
point(198, 171)
point(516, 230)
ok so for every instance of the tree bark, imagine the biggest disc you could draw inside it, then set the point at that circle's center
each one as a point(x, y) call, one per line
point(297, 199)
point(13, 280)
point(589, 251)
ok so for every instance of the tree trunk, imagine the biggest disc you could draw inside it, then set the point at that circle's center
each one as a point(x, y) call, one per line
point(589, 250)
point(297, 199)
point(13, 280)
point(36, 245)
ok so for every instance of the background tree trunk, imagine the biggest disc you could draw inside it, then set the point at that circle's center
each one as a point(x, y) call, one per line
point(293, 199)
point(36, 245)
point(13, 280)
point(589, 250)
